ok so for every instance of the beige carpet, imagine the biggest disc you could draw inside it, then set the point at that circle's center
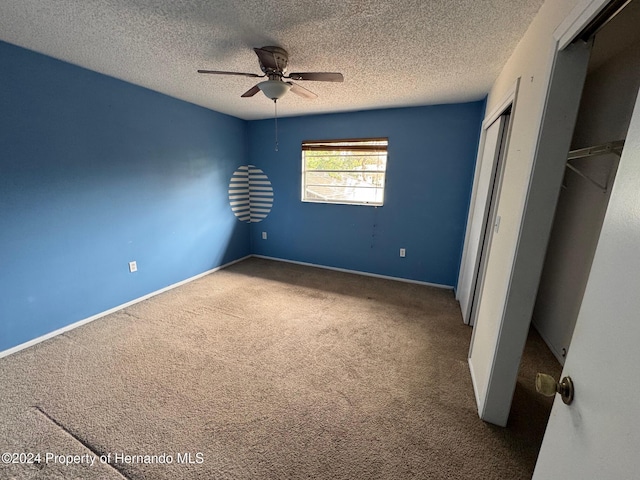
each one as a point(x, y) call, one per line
point(267, 370)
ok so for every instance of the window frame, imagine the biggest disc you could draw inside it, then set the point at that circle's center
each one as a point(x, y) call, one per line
point(346, 145)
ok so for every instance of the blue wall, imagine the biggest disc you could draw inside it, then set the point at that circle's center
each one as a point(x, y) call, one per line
point(432, 153)
point(94, 173)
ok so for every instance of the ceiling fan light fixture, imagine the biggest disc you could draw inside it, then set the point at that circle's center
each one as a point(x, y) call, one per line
point(274, 89)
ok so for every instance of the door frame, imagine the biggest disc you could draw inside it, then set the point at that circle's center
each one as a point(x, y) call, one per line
point(497, 384)
point(470, 275)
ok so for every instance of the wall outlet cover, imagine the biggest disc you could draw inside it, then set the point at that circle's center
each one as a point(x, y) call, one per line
point(133, 266)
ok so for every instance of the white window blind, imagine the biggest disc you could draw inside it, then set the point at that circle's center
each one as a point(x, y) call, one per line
point(344, 171)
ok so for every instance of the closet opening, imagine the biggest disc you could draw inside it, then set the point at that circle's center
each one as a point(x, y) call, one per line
point(604, 115)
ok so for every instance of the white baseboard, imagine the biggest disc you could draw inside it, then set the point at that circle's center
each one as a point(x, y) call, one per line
point(357, 272)
point(79, 323)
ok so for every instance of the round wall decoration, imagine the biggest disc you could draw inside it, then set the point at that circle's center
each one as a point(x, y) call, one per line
point(250, 194)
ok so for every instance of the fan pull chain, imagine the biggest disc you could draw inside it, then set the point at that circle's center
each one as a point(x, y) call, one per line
point(275, 104)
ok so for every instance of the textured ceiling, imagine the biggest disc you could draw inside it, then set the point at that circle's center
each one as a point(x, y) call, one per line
point(392, 53)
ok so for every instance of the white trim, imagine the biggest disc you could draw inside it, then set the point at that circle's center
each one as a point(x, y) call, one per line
point(79, 323)
point(357, 272)
point(551, 62)
point(575, 22)
point(508, 99)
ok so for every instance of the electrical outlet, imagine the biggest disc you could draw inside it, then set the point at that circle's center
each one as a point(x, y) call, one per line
point(133, 266)
point(264, 235)
point(403, 252)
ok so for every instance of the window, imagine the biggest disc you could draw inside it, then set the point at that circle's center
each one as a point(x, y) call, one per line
point(344, 171)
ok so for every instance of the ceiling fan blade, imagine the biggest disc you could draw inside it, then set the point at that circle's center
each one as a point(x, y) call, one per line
point(268, 59)
point(218, 72)
point(251, 92)
point(317, 76)
point(301, 91)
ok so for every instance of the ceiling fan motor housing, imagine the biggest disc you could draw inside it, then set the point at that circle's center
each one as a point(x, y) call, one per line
point(280, 60)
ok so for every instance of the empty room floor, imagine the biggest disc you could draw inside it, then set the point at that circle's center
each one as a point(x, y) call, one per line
point(267, 370)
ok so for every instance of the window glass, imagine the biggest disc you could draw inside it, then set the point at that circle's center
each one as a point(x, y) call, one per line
point(344, 171)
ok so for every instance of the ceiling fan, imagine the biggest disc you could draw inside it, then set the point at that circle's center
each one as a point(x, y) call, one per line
point(273, 63)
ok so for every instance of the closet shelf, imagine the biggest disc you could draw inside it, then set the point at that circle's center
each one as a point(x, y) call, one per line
point(611, 147)
point(604, 149)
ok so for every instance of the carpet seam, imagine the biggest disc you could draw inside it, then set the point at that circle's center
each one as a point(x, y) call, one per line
point(84, 443)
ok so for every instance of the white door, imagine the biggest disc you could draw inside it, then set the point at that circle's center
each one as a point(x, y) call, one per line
point(598, 435)
point(488, 169)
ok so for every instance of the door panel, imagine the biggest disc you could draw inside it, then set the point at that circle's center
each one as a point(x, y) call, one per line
point(479, 216)
point(598, 435)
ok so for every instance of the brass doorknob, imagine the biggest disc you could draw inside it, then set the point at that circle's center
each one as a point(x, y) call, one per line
point(547, 386)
